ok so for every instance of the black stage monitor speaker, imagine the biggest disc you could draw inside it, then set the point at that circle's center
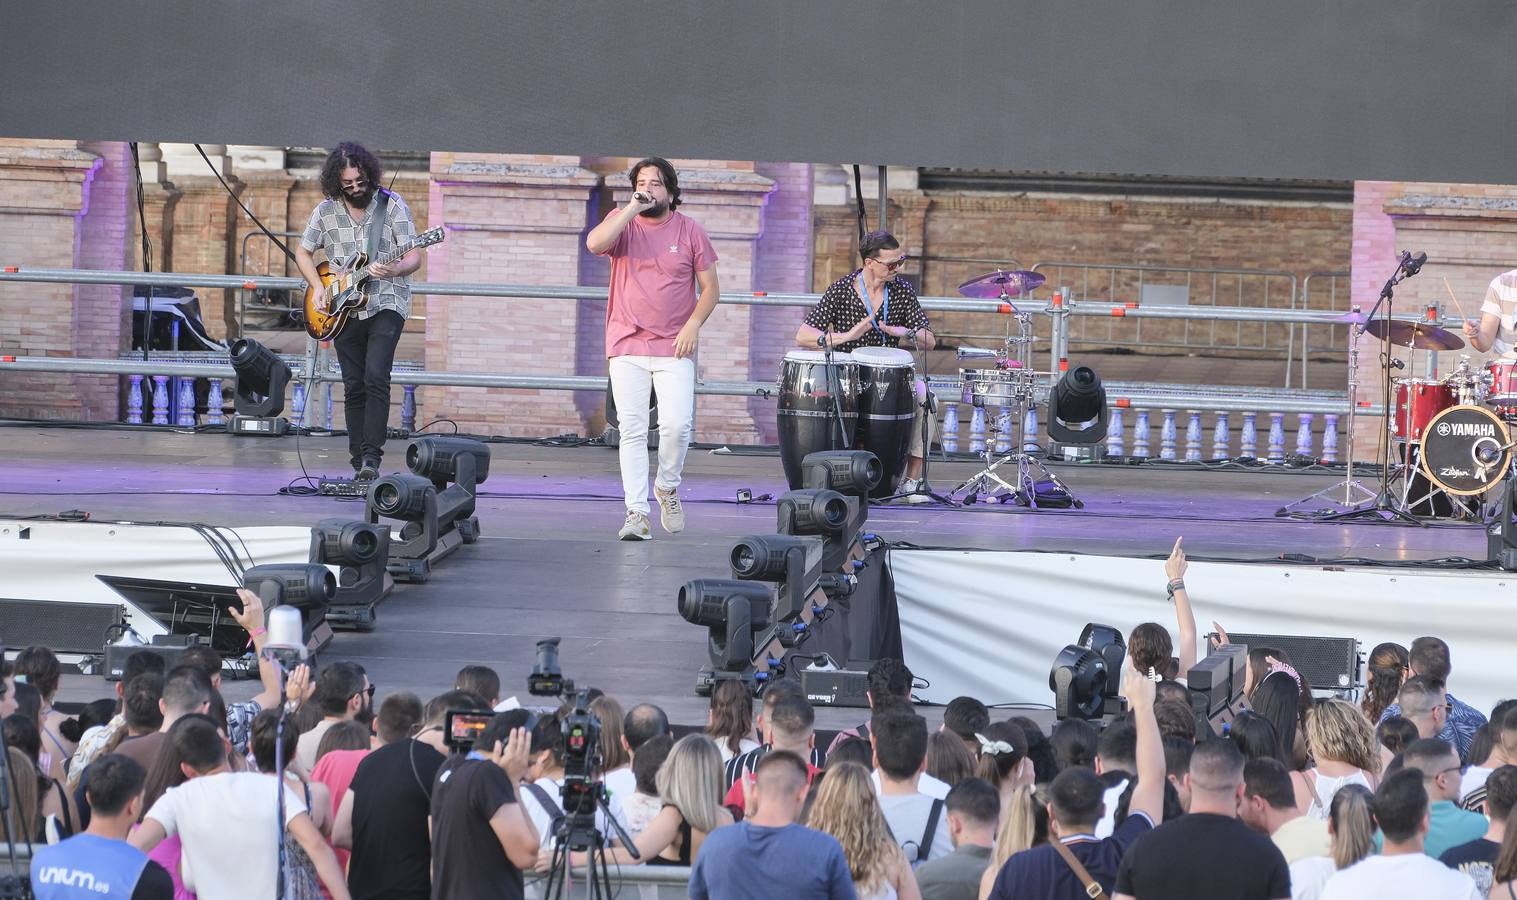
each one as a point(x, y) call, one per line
point(1327, 663)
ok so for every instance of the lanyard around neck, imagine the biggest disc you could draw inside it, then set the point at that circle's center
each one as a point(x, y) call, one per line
point(884, 299)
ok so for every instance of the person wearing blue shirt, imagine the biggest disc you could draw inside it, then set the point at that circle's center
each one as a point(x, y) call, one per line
point(768, 855)
point(99, 864)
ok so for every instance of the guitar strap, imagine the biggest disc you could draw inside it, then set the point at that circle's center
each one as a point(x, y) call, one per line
point(376, 222)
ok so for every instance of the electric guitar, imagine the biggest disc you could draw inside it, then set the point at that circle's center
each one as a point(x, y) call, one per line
point(346, 287)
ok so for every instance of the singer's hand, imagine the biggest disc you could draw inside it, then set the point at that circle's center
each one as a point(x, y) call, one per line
point(250, 615)
point(635, 205)
point(689, 336)
point(298, 688)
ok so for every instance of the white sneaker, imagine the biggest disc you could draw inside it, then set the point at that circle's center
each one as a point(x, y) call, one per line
point(671, 514)
point(636, 527)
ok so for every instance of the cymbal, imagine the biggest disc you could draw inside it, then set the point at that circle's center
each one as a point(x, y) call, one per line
point(1353, 318)
point(992, 285)
point(1417, 335)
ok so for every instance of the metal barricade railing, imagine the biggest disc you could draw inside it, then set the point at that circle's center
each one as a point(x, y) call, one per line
point(243, 293)
point(153, 381)
point(1207, 287)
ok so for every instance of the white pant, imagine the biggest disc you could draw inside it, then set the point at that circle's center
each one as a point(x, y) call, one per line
point(631, 379)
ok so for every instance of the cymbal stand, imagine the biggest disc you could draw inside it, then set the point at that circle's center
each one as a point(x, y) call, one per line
point(1385, 507)
point(1030, 469)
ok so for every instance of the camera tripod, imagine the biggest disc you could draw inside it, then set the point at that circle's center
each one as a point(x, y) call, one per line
point(578, 832)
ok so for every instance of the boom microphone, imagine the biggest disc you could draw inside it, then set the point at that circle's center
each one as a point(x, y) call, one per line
point(1411, 265)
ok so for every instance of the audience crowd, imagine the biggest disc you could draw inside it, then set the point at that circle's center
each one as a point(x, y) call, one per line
point(165, 790)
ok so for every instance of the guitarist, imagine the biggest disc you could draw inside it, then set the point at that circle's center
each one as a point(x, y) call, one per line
point(343, 225)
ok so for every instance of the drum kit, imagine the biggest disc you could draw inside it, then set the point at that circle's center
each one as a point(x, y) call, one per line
point(1449, 437)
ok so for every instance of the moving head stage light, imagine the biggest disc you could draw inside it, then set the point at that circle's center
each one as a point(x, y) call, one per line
point(439, 516)
point(258, 398)
point(833, 502)
point(1078, 416)
point(733, 612)
point(360, 551)
point(307, 588)
point(1086, 678)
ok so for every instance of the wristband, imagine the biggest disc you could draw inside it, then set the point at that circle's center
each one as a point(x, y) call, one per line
point(821, 339)
point(256, 633)
point(1177, 584)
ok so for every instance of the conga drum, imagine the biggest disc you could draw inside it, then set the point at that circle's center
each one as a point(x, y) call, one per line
point(807, 415)
point(887, 405)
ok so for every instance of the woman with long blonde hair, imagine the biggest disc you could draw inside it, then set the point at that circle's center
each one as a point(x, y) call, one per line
point(690, 784)
point(1342, 742)
point(1024, 825)
point(846, 808)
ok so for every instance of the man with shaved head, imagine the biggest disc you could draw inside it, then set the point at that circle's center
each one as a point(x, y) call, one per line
point(768, 855)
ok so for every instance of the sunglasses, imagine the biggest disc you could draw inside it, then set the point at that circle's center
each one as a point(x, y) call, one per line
point(355, 184)
point(893, 264)
point(368, 690)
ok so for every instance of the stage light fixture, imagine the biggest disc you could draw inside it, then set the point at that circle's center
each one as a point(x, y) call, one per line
point(851, 472)
point(304, 587)
point(360, 550)
point(793, 563)
point(1078, 680)
point(258, 398)
point(411, 499)
point(449, 459)
point(1078, 416)
point(465, 463)
point(1111, 646)
point(732, 612)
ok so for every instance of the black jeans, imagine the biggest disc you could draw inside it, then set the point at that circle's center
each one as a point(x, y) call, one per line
point(365, 352)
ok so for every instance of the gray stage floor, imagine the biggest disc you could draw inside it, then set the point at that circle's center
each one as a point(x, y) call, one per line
point(548, 562)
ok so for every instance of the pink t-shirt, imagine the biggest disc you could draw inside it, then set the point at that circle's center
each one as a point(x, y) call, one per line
point(653, 290)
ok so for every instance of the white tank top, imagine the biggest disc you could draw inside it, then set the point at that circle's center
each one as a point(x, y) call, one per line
point(1326, 786)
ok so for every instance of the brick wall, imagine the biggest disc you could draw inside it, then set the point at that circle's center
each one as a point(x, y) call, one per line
point(62, 205)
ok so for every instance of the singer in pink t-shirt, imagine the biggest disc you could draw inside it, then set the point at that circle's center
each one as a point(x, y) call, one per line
point(653, 323)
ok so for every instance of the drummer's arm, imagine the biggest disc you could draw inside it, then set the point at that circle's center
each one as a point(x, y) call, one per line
point(1484, 337)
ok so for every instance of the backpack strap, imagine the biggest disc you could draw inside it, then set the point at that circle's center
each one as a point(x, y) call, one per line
point(545, 799)
point(1093, 888)
point(925, 847)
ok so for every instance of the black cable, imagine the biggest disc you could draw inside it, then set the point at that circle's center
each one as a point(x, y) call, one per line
point(147, 251)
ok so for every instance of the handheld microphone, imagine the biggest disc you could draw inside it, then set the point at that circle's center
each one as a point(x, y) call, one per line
point(641, 197)
point(1410, 264)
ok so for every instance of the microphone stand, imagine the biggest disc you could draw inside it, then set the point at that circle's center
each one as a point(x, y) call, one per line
point(1385, 502)
point(834, 384)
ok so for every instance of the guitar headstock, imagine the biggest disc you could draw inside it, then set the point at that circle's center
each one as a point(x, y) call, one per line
point(429, 237)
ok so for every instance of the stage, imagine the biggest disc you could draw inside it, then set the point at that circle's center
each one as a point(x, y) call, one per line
point(548, 562)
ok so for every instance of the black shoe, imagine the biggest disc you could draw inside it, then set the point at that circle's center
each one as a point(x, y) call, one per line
point(368, 471)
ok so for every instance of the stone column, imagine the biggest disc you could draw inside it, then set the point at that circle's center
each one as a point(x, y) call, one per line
point(517, 220)
point(65, 206)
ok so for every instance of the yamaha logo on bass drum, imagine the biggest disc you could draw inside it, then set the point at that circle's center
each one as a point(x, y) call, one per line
point(1467, 429)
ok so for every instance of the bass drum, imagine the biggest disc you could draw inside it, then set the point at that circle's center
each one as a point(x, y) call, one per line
point(807, 416)
point(1465, 450)
point(887, 405)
